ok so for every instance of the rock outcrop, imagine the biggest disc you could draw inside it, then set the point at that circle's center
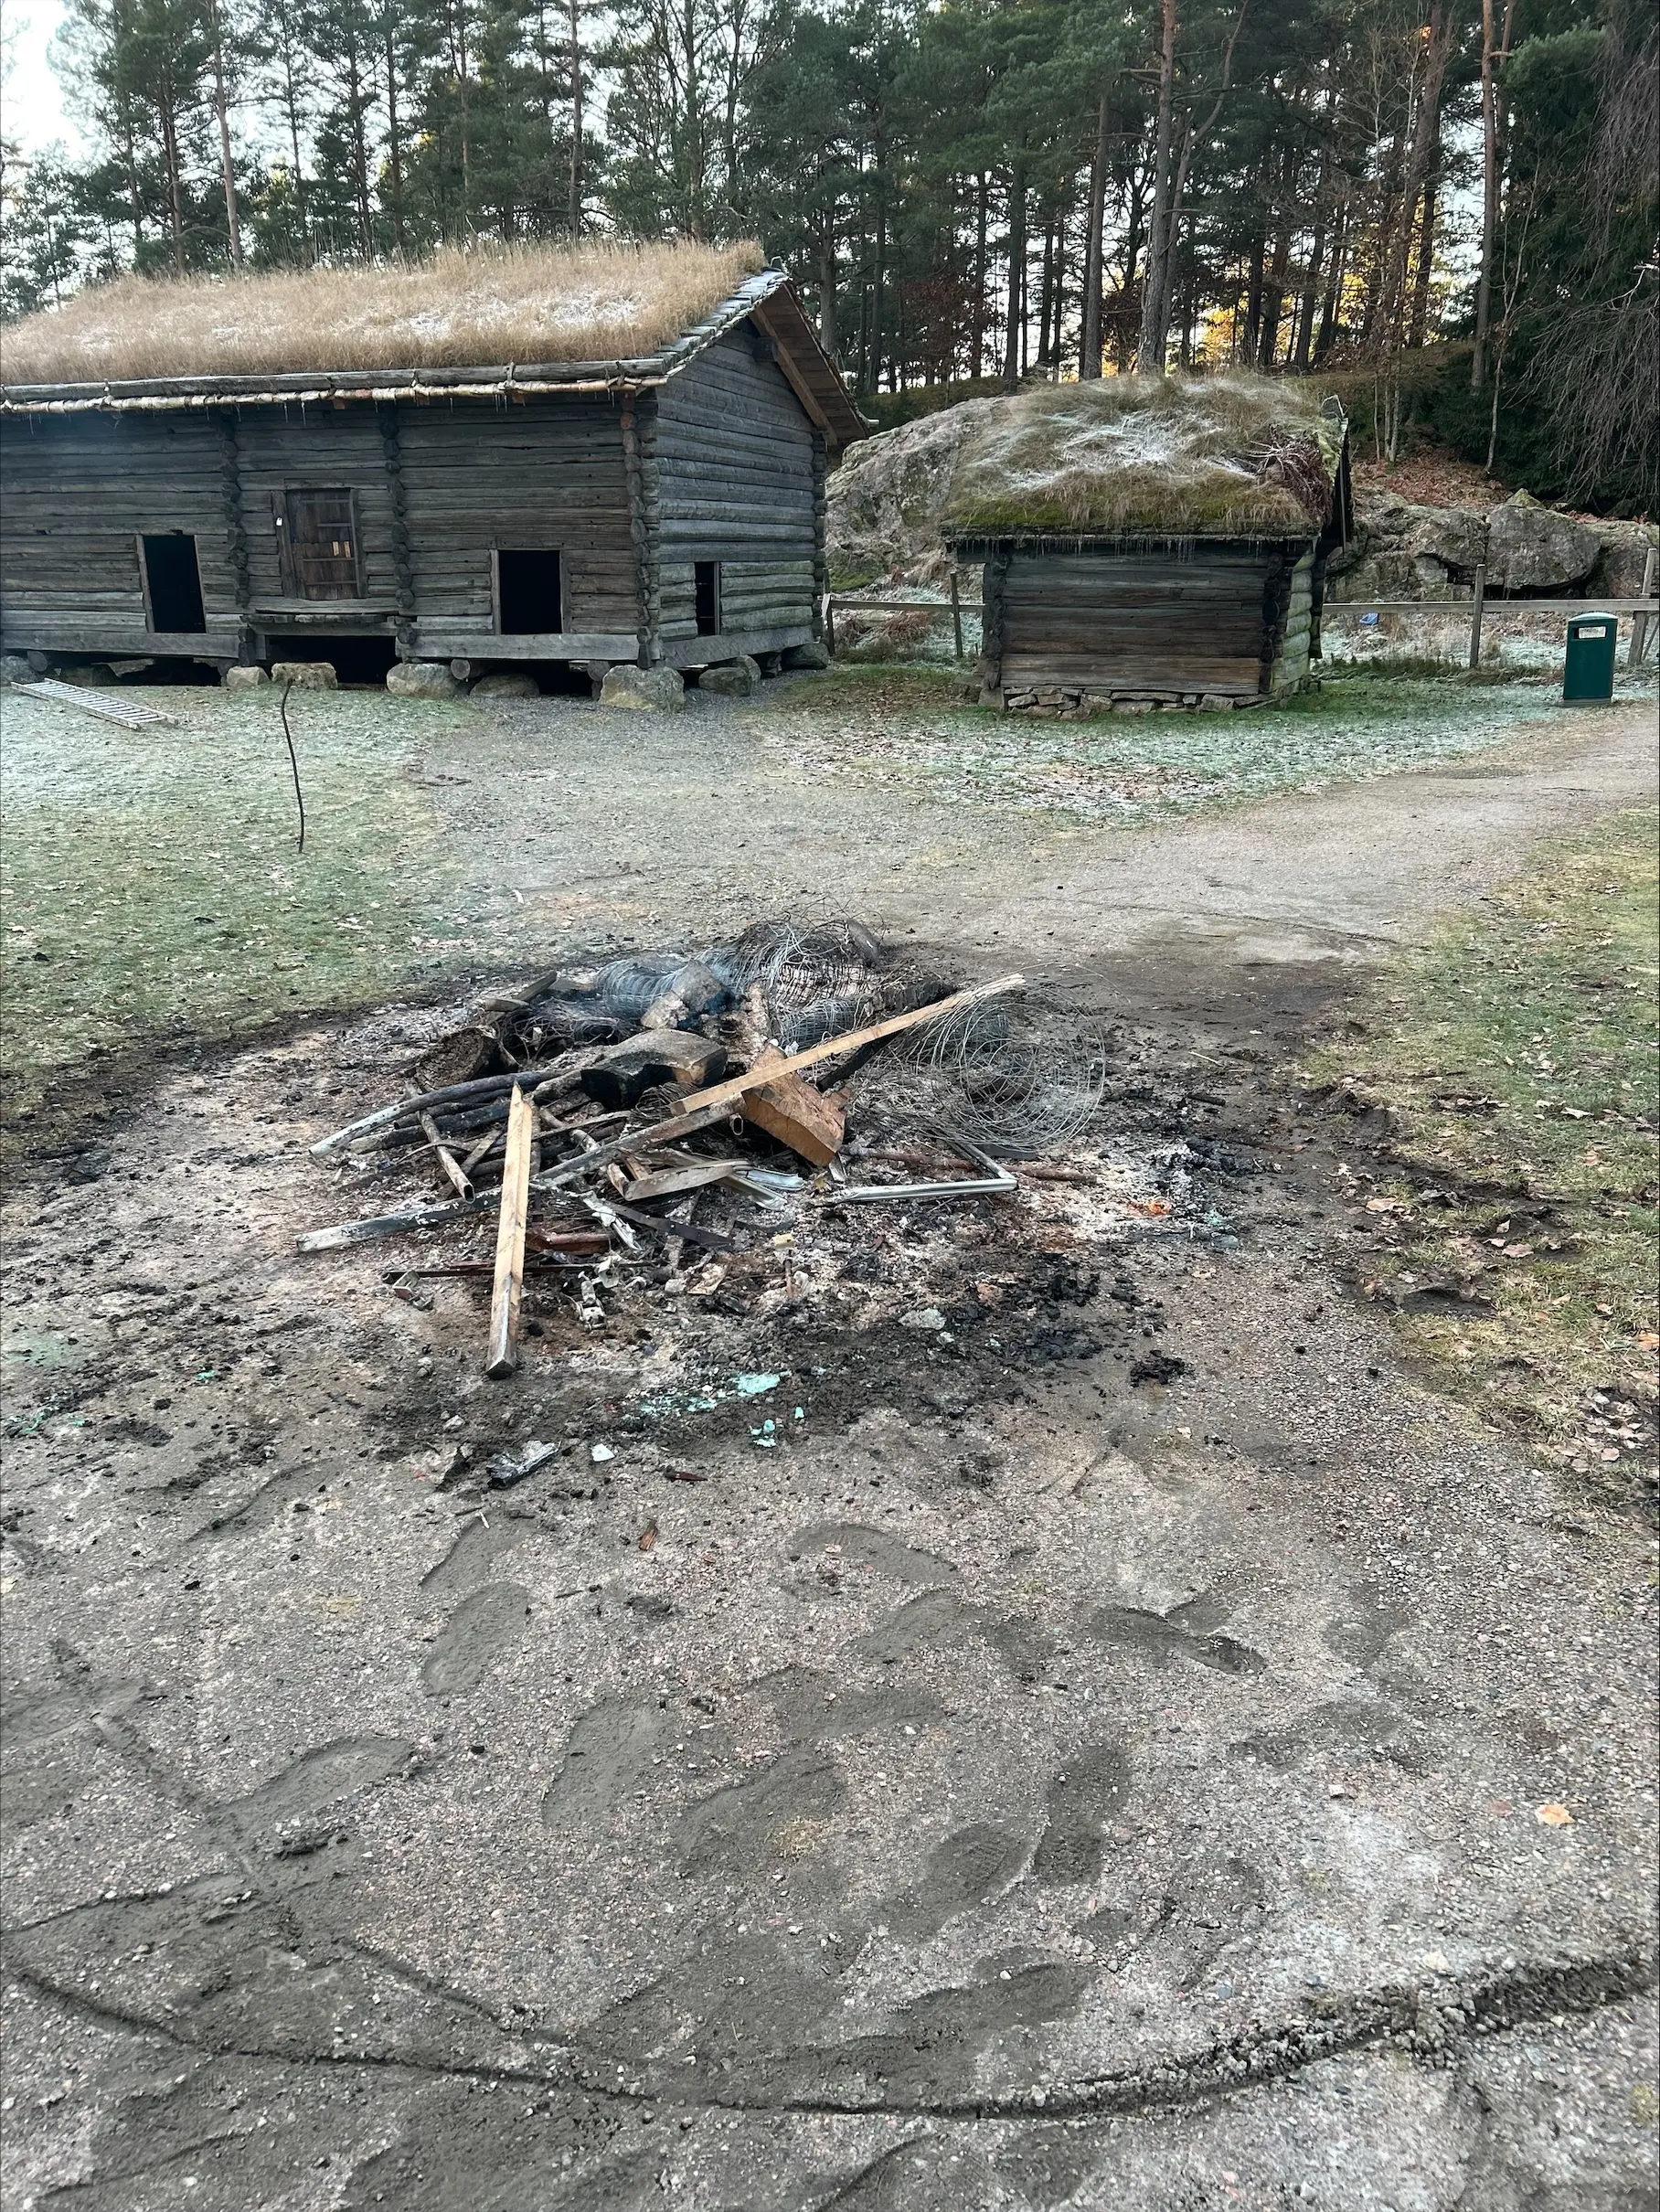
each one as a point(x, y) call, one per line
point(1409, 552)
point(887, 498)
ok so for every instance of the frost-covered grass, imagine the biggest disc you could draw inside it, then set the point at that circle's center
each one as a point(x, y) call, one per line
point(152, 882)
point(905, 726)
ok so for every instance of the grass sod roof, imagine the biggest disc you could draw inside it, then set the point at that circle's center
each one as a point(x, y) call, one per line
point(598, 300)
point(1132, 457)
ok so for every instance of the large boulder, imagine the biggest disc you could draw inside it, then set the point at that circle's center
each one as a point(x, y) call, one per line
point(244, 679)
point(1532, 548)
point(1622, 562)
point(507, 683)
point(14, 669)
point(732, 680)
point(306, 676)
point(422, 680)
point(887, 497)
point(661, 690)
point(814, 654)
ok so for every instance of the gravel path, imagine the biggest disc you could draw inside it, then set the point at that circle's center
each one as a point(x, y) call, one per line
point(1030, 1782)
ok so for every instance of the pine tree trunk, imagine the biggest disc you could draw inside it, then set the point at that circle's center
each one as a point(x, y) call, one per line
point(175, 207)
point(827, 336)
point(1491, 58)
point(1420, 328)
point(1253, 300)
point(233, 228)
point(1046, 295)
point(977, 352)
point(394, 144)
point(1310, 302)
point(1014, 338)
point(574, 205)
point(1332, 305)
point(1273, 300)
point(1150, 354)
point(1088, 344)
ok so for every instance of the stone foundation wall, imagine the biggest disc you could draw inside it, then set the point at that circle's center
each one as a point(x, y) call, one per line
point(1078, 705)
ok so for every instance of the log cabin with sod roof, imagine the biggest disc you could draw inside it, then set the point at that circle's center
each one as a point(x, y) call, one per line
point(323, 465)
point(1151, 542)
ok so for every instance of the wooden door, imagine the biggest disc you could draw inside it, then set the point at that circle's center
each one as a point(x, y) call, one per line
point(319, 537)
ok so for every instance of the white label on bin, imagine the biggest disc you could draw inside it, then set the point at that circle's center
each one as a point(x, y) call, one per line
point(1602, 631)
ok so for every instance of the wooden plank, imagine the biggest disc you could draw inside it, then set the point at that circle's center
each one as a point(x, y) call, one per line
point(502, 1353)
point(672, 1182)
point(1492, 606)
point(787, 1107)
point(446, 1159)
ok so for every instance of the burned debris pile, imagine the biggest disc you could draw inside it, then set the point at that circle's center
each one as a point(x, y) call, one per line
point(798, 1120)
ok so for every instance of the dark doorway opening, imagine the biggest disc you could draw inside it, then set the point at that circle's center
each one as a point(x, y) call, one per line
point(173, 583)
point(706, 577)
point(357, 661)
point(528, 599)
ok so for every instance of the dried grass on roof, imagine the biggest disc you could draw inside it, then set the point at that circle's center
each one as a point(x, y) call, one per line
point(1234, 456)
point(476, 307)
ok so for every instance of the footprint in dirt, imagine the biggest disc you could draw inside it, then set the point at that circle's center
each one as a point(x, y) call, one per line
point(1179, 1633)
point(475, 1550)
point(478, 1635)
point(608, 1754)
point(1088, 1790)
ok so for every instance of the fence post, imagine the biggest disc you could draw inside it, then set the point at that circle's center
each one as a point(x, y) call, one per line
point(1639, 626)
point(1475, 615)
point(956, 609)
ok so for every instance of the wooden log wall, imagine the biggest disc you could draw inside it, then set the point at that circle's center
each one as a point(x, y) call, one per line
point(403, 551)
point(1139, 621)
point(78, 492)
point(723, 465)
point(736, 484)
point(235, 524)
point(821, 528)
point(298, 448)
point(1294, 641)
point(544, 476)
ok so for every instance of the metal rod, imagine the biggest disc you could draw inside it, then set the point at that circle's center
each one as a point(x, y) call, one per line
point(956, 614)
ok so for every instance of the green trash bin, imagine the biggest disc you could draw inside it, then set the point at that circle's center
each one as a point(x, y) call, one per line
point(1588, 669)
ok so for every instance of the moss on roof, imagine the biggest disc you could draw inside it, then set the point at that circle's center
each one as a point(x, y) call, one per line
point(1234, 456)
point(600, 300)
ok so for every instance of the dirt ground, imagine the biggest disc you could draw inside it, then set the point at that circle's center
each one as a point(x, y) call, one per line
point(1136, 1746)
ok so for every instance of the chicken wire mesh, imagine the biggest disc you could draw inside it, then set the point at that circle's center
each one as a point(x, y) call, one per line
point(1015, 1076)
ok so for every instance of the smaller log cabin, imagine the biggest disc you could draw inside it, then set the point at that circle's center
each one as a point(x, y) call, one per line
point(1151, 543)
point(663, 505)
